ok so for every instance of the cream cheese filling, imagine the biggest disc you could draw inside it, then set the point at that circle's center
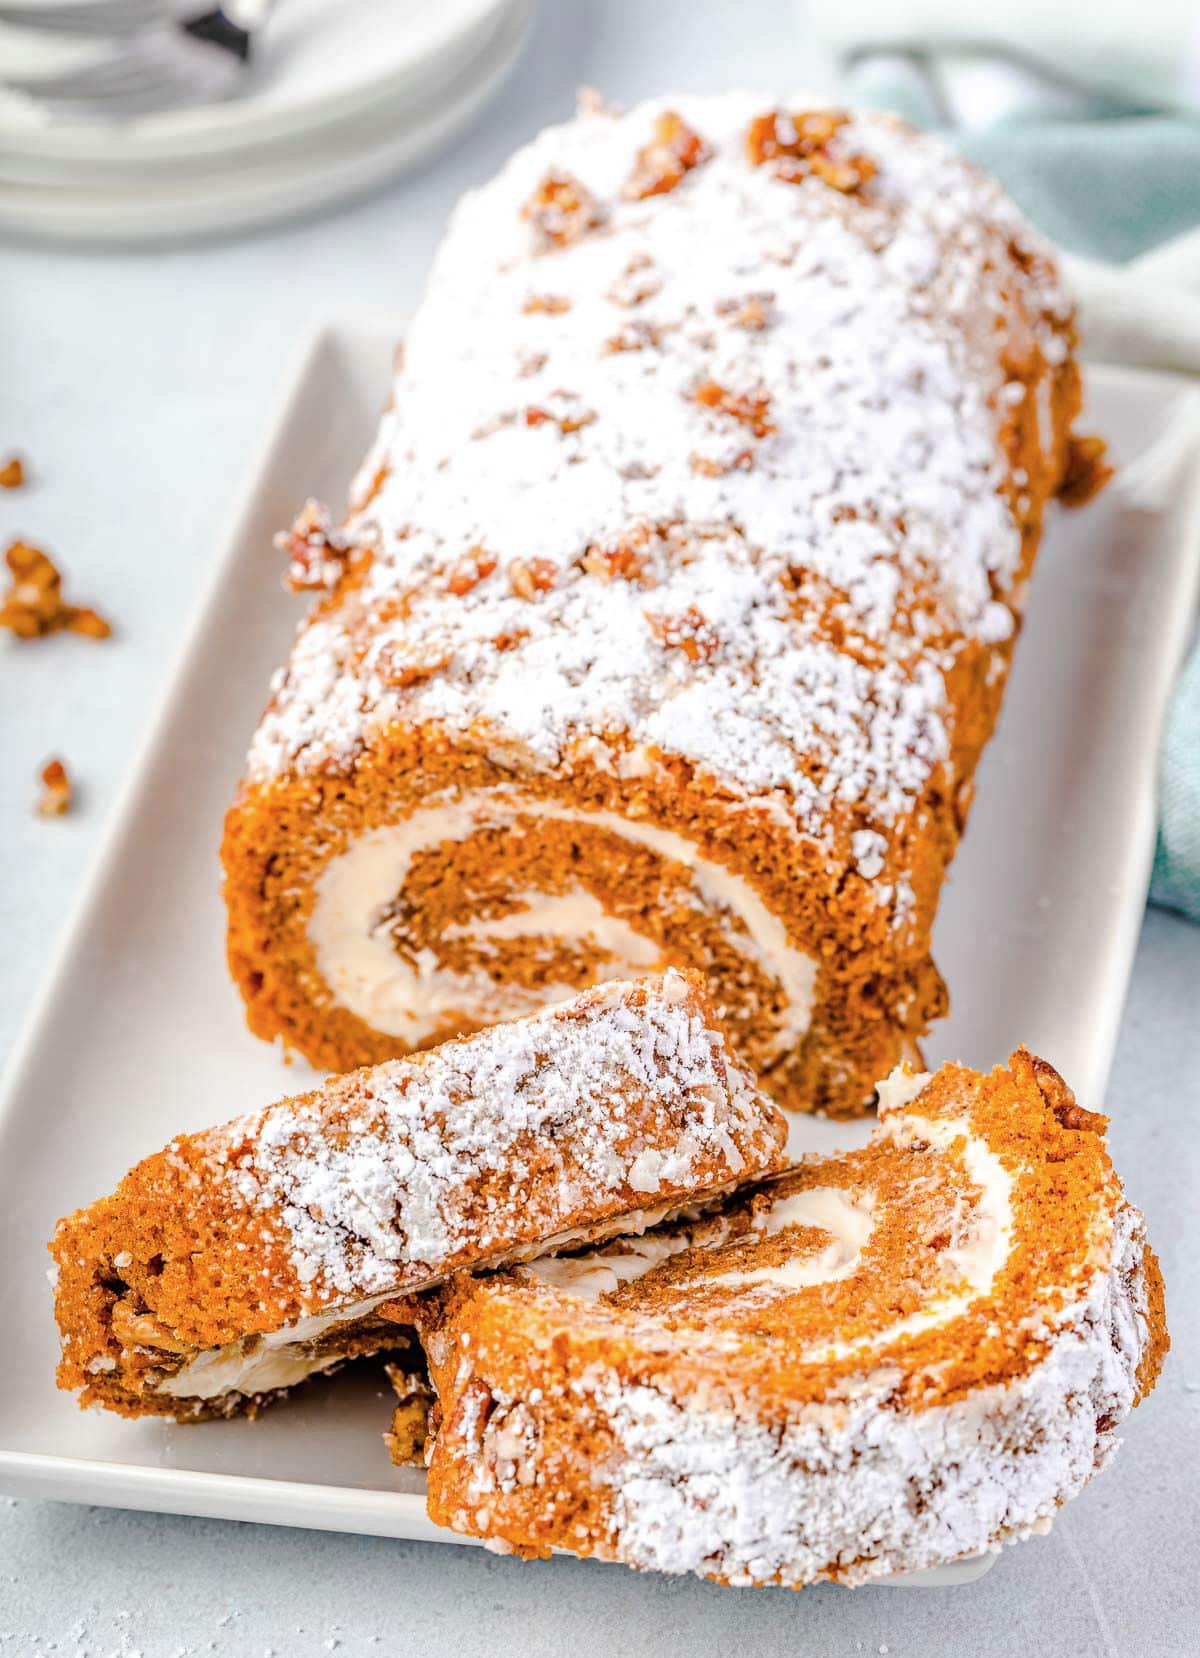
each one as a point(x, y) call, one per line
point(827, 1207)
point(283, 1358)
point(412, 999)
point(260, 1364)
point(848, 1223)
point(591, 1276)
point(975, 1259)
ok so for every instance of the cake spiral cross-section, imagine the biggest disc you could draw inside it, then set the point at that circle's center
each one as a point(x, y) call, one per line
point(880, 1362)
point(237, 1262)
point(675, 603)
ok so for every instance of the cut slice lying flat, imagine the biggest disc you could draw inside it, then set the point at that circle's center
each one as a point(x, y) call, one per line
point(878, 1362)
point(236, 1262)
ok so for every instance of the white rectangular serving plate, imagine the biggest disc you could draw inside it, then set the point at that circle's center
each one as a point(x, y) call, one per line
point(139, 1035)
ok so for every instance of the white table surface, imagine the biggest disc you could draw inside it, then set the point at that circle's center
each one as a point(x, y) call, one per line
point(137, 387)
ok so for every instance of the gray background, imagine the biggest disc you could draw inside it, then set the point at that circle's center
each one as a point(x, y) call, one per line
point(139, 386)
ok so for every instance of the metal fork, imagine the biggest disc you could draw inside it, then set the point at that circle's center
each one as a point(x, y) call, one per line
point(154, 61)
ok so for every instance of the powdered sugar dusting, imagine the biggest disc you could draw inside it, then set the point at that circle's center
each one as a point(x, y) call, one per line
point(858, 1489)
point(707, 1492)
point(774, 597)
point(755, 1453)
point(515, 1134)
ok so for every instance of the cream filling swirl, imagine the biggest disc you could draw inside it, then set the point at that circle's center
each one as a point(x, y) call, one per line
point(973, 1261)
point(411, 999)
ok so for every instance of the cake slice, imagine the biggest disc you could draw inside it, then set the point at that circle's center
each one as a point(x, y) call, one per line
point(238, 1261)
point(882, 1361)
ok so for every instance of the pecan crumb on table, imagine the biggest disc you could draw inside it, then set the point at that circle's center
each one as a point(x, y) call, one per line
point(12, 473)
point(55, 798)
point(34, 605)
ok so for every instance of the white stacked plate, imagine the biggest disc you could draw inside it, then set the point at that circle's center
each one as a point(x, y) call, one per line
point(342, 95)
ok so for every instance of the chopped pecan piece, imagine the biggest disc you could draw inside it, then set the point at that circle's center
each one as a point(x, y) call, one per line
point(1087, 471)
point(531, 576)
point(633, 336)
point(1073, 1117)
point(405, 672)
point(471, 1410)
point(687, 631)
point(561, 210)
point(12, 473)
point(638, 283)
point(848, 175)
point(618, 561)
point(317, 552)
point(87, 622)
point(550, 305)
point(672, 152)
point(1025, 259)
point(797, 146)
point(55, 798)
point(751, 411)
point(777, 134)
point(571, 419)
point(509, 640)
point(474, 567)
point(752, 312)
point(510, 1445)
point(708, 466)
point(34, 606)
point(143, 1330)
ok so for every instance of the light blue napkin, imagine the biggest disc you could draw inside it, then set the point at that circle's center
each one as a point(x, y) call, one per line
point(1102, 174)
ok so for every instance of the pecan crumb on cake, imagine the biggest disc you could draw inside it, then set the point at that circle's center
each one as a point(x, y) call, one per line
point(560, 211)
point(12, 473)
point(666, 160)
point(318, 553)
point(808, 145)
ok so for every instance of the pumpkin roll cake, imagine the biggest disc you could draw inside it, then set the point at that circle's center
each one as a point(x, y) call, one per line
point(880, 1362)
point(237, 1262)
point(675, 603)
